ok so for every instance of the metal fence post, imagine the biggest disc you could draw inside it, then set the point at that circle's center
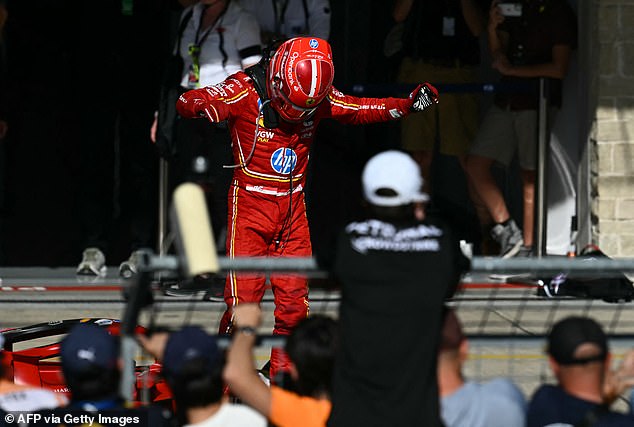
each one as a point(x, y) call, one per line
point(543, 149)
point(162, 206)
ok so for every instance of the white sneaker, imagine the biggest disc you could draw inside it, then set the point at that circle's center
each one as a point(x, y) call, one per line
point(130, 267)
point(93, 263)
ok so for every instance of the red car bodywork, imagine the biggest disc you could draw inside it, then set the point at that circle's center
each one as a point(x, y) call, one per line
point(40, 366)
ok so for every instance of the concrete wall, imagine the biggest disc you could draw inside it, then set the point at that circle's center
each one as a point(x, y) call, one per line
point(612, 134)
point(565, 155)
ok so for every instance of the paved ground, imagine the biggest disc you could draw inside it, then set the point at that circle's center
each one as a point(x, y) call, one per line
point(506, 323)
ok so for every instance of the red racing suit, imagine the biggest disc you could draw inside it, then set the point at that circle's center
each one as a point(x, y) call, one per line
point(267, 214)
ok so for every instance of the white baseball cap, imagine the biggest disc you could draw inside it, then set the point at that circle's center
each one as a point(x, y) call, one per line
point(393, 170)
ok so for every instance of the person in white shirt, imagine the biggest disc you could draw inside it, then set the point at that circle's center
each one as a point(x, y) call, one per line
point(220, 37)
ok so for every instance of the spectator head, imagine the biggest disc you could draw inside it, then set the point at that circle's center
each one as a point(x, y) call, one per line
point(90, 362)
point(311, 348)
point(300, 76)
point(577, 341)
point(192, 366)
point(392, 183)
point(579, 356)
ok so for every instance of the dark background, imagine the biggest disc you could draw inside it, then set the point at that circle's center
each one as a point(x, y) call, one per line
point(50, 49)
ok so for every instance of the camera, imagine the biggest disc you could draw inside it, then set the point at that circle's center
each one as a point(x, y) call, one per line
point(510, 9)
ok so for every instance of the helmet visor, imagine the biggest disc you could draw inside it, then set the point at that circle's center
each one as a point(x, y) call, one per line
point(290, 111)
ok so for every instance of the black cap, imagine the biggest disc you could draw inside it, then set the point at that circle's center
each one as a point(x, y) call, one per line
point(569, 334)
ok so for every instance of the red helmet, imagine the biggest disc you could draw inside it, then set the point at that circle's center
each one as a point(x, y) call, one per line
point(299, 77)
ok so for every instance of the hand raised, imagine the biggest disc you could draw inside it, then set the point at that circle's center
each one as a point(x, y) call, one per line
point(424, 96)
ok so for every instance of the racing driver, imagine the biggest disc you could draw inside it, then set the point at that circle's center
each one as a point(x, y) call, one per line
point(272, 110)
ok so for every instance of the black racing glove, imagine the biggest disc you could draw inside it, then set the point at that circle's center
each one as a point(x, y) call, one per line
point(424, 96)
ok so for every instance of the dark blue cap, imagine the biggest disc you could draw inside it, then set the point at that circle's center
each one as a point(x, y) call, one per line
point(86, 347)
point(187, 344)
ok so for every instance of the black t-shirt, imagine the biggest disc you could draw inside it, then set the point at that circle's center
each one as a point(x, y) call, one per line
point(395, 279)
point(543, 24)
point(551, 405)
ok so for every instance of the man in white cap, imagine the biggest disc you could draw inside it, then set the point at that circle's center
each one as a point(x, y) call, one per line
point(396, 269)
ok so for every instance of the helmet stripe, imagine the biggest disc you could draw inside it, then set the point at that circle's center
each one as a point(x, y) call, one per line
point(313, 80)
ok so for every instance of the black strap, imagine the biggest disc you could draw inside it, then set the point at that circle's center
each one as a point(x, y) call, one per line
point(221, 47)
point(221, 43)
point(181, 29)
point(257, 73)
point(279, 21)
point(279, 16)
point(198, 40)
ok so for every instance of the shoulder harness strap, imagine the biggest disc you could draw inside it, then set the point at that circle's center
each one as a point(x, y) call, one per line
point(257, 73)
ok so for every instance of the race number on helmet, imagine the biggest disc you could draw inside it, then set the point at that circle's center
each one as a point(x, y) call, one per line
point(300, 77)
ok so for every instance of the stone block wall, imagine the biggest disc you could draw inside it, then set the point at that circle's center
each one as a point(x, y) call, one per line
point(612, 135)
